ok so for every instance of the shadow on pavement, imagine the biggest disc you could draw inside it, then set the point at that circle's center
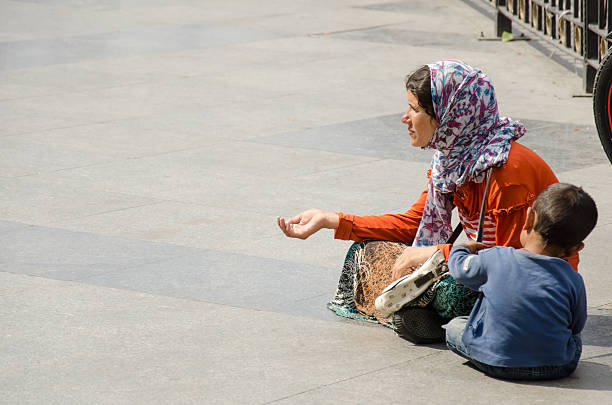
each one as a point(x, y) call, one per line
point(594, 372)
point(598, 330)
point(589, 375)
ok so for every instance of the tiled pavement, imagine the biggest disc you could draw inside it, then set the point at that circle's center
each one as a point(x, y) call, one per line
point(146, 148)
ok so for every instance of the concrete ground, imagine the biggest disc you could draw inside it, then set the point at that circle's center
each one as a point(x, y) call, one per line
point(146, 148)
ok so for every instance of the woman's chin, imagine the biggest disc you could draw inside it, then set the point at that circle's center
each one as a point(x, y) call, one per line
point(413, 142)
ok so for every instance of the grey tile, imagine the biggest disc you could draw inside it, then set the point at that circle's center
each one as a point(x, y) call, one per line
point(382, 137)
point(388, 385)
point(170, 270)
point(96, 5)
point(598, 329)
point(44, 52)
point(206, 176)
point(7, 227)
point(21, 158)
point(232, 279)
point(87, 144)
point(66, 255)
point(594, 262)
point(406, 37)
point(564, 146)
point(77, 343)
point(181, 224)
point(43, 202)
point(597, 181)
point(404, 7)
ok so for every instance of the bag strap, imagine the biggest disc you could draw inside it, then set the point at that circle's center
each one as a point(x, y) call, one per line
point(483, 205)
point(456, 233)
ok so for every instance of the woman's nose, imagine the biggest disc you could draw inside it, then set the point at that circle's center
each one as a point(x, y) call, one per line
point(406, 118)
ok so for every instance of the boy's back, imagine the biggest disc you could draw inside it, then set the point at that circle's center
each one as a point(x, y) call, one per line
point(531, 309)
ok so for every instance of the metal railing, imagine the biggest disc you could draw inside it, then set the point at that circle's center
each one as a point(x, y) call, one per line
point(579, 27)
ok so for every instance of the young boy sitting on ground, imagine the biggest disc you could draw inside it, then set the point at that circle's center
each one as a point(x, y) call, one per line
point(527, 322)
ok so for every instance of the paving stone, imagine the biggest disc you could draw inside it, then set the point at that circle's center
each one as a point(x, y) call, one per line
point(45, 52)
point(146, 148)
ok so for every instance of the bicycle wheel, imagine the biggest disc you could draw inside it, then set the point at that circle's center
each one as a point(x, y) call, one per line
point(602, 99)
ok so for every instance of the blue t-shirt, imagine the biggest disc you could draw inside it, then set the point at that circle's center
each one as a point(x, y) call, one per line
point(531, 309)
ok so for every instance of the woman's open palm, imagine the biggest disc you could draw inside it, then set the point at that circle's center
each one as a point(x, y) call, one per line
point(307, 223)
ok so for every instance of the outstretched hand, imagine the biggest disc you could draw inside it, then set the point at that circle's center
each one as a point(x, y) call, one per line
point(307, 223)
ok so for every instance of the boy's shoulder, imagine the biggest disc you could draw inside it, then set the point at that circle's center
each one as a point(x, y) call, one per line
point(527, 262)
point(493, 251)
point(497, 252)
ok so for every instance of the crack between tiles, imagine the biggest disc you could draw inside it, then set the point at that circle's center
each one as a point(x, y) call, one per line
point(596, 357)
point(348, 379)
point(120, 209)
point(75, 126)
point(605, 307)
point(373, 27)
point(372, 159)
point(62, 92)
point(87, 281)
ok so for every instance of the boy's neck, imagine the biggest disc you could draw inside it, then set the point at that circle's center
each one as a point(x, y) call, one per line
point(536, 244)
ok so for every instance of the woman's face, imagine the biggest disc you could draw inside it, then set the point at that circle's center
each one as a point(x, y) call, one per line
point(421, 126)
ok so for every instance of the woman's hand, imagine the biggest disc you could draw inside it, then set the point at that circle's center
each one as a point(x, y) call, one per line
point(307, 223)
point(411, 257)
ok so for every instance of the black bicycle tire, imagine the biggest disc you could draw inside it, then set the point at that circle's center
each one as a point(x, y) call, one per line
point(602, 103)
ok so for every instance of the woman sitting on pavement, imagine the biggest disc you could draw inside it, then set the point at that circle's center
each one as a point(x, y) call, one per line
point(452, 109)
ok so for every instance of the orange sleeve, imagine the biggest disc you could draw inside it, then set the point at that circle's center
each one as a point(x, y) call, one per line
point(388, 227)
point(445, 248)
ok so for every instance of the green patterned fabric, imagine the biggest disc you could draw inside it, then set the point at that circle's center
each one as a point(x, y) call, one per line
point(367, 271)
point(451, 299)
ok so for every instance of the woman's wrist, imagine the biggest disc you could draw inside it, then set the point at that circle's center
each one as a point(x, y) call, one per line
point(333, 220)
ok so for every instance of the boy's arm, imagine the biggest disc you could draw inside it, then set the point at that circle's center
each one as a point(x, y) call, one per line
point(466, 267)
point(580, 311)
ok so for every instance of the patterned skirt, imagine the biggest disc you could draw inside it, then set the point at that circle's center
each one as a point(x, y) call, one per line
point(367, 271)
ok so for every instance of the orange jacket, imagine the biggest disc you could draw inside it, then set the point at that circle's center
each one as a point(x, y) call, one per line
point(513, 188)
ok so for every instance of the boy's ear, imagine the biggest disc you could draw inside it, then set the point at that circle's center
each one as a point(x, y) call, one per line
point(530, 220)
point(574, 249)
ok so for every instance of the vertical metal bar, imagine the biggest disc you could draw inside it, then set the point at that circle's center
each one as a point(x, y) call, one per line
point(588, 79)
point(502, 23)
point(590, 41)
point(527, 16)
point(577, 6)
point(591, 10)
point(608, 17)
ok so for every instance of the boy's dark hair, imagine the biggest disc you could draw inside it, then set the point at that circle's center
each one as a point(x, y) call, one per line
point(565, 215)
point(419, 84)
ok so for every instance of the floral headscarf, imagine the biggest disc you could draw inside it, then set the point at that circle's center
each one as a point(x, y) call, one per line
point(470, 138)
